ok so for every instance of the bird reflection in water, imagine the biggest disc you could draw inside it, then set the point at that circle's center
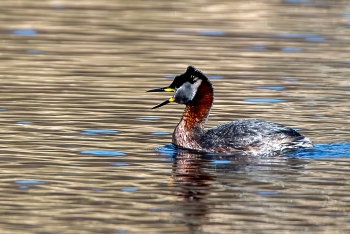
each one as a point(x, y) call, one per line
point(193, 179)
point(192, 184)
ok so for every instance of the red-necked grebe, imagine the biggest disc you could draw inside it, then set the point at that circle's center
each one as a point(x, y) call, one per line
point(251, 137)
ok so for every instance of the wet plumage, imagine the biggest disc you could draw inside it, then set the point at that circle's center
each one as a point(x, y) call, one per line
point(250, 137)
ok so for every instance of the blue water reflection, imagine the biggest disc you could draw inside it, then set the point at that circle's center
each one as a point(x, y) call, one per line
point(167, 150)
point(220, 162)
point(121, 230)
point(297, 35)
point(129, 190)
point(211, 32)
point(291, 49)
point(276, 88)
point(320, 151)
point(306, 36)
point(291, 79)
point(95, 132)
point(102, 153)
point(120, 164)
point(319, 115)
point(148, 118)
point(160, 133)
point(266, 193)
point(215, 77)
point(256, 47)
point(315, 39)
point(29, 182)
point(264, 100)
point(24, 32)
point(24, 122)
point(34, 51)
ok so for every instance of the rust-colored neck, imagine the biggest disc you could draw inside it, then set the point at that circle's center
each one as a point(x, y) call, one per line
point(191, 125)
point(196, 113)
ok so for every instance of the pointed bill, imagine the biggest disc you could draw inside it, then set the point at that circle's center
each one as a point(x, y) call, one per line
point(165, 89)
point(164, 103)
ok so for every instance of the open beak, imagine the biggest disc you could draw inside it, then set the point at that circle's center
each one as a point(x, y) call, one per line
point(165, 89)
point(164, 103)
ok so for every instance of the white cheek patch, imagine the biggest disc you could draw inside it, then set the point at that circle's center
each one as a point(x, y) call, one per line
point(195, 86)
point(186, 92)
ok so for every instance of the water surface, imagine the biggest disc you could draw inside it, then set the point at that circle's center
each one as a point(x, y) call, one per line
point(82, 151)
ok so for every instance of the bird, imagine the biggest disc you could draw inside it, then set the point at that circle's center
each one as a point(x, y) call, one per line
point(249, 137)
